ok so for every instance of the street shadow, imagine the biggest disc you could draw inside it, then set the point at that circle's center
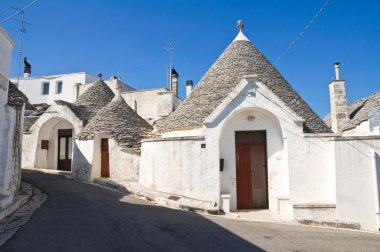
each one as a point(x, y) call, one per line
point(83, 217)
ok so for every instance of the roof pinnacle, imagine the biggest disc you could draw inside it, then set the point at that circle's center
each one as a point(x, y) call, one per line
point(240, 25)
point(100, 76)
point(240, 35)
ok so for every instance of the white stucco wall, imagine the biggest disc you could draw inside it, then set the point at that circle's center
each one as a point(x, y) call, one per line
point(152, 103)
point(46, 128)
point(83, 155)
point(355, 180)
point(278, 181)
point(180, 166)
point(10, 151)
point(299, 168)
point(11, 124)
point(32, 86)
point(123, 163)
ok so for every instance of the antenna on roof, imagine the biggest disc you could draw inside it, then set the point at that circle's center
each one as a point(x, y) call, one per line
point(22, 31)
point(169, 49)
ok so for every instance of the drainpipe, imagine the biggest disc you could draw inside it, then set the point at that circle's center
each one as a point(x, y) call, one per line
point(375, 187)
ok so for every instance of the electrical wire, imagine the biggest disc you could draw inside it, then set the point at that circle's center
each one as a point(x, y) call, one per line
point(17, 12)
point(9, 7)
point(302, 32)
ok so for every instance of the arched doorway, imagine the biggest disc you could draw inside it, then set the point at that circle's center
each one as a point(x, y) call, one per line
point(255, 167)
point(55, 145)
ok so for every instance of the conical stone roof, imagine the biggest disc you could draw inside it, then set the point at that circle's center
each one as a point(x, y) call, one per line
point(92, 100)
point(239, 59)
point(121, 122)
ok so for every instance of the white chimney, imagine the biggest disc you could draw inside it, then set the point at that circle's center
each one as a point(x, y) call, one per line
point(338, 101)
point(189, 87)
point(77, 90)
point(337, 70)
point(114, 83)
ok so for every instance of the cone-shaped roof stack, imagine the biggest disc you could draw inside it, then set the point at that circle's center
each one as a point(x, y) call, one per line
point(92, 100)
point(121, 122)
point(239, 59)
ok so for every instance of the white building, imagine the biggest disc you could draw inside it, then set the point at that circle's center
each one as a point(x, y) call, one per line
point(151, 104)
point(12, 105)
point(244, 139)
point(96, 136)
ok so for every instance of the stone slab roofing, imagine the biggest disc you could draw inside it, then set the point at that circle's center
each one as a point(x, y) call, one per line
point(121, 122)
point(239, 59)
point(16, 98)
point(30, 119)
point(359, 111)
point(92, 100)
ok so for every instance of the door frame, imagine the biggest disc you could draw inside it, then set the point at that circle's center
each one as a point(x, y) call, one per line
point(253, 143)
point(107, 173)
point(64, 133)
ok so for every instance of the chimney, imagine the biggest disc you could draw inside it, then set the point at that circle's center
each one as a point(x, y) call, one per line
point(27, 68)
point(114, 83)
point(174, 82)
point(338, 101)
point(77, 90)
point(189, 87)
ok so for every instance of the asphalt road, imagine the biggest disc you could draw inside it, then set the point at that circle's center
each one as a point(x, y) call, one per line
point(84, 217)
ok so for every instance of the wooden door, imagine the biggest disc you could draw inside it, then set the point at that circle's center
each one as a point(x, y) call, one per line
point(243, 175)
point(105, 164)
point(259, 176)
point(64, 149)
point(251, 170)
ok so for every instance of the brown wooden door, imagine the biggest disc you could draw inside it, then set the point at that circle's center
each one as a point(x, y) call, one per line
point(64, 149)
point(105, 164)
point(259, 176)
point(243, 175)
point(251, 170)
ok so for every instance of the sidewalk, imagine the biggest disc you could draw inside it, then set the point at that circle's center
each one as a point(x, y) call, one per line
point(171, 200)
point(26, 206)
point(19, 200)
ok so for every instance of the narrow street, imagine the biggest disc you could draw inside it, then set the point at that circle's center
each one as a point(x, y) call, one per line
point(84, 217)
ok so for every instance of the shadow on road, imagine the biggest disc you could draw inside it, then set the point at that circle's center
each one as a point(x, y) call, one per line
point(83, 217)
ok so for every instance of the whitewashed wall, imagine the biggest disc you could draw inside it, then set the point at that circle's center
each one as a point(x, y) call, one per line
point(11, 124)
point(276, 120)
point(355, 179)
point(45, 128)
point(32, 86)
point(180, 166)
point(10, 153)
point(83, 155)
point(123, 163)
point(278, 182)
point(152, 103)
point(299, 168)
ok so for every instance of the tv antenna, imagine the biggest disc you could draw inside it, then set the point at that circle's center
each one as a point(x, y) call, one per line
point(22, 32)
point(169, 49)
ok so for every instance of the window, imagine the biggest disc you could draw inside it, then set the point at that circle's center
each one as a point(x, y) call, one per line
point(45, 88)
point(59, 87)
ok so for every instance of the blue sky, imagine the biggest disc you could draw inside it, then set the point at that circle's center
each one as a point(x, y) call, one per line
point(126, 37)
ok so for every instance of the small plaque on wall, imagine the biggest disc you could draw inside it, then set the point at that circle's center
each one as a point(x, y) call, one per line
point(44, 144)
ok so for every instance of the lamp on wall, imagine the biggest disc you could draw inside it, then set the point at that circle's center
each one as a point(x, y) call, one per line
point(250, 118)
point(252, 92)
